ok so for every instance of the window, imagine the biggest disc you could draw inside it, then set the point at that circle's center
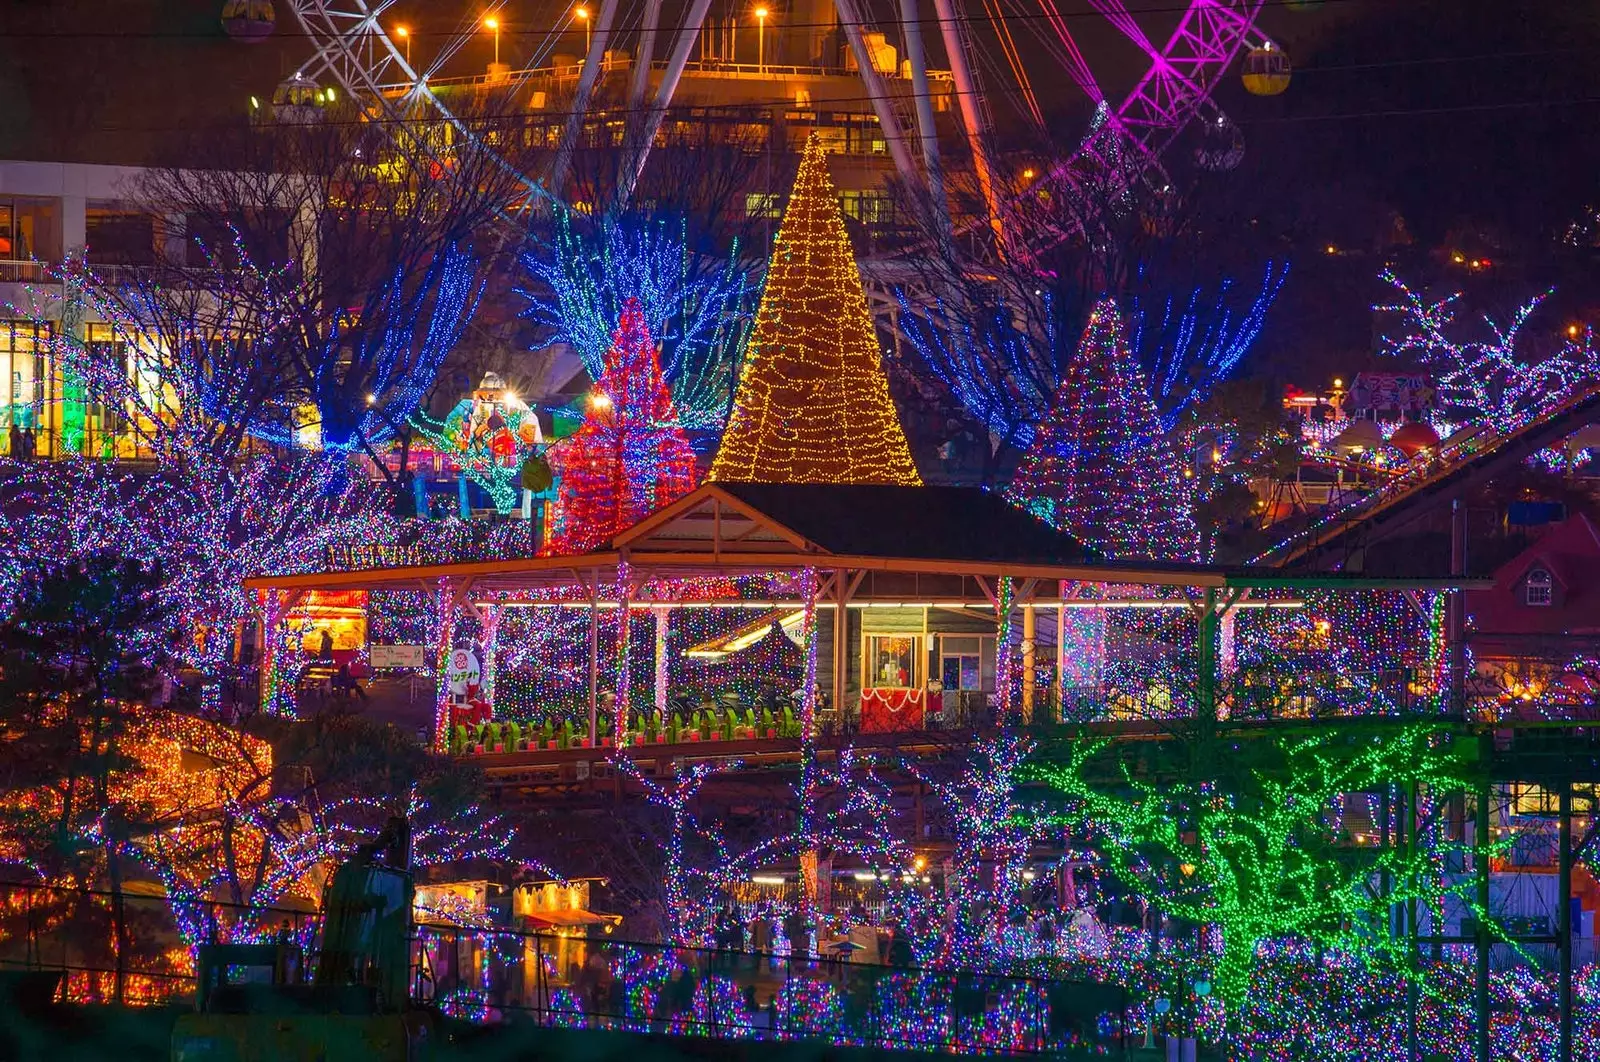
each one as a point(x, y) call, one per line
point(761, 205)
point(891, 661)
point(1536, 591)
point(28, 392)
point(962, 662)
point(962, 672)
point(119, 237)
point(28, 230)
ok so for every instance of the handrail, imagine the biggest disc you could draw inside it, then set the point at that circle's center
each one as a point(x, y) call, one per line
point(703, 66)
point(484, 973)
point(1449, 461)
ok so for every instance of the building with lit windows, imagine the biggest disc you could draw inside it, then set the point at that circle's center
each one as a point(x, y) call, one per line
point(48, 212)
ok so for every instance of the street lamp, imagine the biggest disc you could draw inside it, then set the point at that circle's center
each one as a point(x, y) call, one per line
point(404, 34)
point(761, 39)
point(582, 15)
point(494, 27)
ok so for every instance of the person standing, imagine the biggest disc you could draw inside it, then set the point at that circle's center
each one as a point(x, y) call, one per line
point(763, 933)
point(798, 934)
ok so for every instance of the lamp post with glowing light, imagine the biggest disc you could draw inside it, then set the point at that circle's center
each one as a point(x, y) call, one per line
point(761, 39)
point(493, 25)
point(582, 15)
point(404, 34)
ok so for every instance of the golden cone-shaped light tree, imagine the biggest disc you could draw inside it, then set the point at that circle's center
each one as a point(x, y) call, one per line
point(813, 402)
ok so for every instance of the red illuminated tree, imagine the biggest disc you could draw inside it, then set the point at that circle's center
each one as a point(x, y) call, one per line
point(631, 456)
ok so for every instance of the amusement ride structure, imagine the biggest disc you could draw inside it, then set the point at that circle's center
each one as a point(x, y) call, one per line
point(877, 58)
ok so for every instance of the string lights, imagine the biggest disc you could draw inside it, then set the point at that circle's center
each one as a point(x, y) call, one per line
point(630, 457)
point(1100, 465)
point(813, 402)
point(1248, 850)
point(1006, 374)
point(697, 305)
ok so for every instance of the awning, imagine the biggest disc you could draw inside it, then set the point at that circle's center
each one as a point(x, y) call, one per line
point(568, 918)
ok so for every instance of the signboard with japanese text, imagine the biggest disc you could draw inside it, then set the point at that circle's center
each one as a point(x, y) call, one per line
point(393, 656)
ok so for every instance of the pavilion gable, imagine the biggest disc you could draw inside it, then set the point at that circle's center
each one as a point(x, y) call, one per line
point(712, 521)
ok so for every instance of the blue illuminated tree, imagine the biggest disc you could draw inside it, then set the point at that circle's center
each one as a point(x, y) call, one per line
point(352, 375)
point(693, 302)
point(1004, 363)
point(355, 261)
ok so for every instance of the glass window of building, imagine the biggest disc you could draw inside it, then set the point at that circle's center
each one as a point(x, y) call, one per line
point(762, 205)
point(30, 231)
point(28, 389)
point(892, 661)
point(966, 663)
point(119, 237)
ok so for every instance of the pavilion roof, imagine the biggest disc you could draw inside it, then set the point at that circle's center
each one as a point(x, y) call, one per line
point(896, 543)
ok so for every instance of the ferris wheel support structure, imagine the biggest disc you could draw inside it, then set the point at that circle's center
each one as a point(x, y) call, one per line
point(877, 92)
point(1121, 150)
point(973, 119)
point(922, 97)
point(1128, 143)
point(647, 47)
point(599, 41)
point(633, 167)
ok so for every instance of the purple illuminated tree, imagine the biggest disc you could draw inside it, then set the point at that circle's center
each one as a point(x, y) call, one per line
point(211, 507)
point(1496, 376)
point(1003, 360)
point(990, 834)
point(1100, 466)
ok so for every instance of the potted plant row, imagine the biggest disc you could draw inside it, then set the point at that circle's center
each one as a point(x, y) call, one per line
point(511, 736)
point(712, 724)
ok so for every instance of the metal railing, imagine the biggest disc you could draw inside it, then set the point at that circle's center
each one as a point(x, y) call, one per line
point(601, 983)
point(495, 974)
point(22, 271)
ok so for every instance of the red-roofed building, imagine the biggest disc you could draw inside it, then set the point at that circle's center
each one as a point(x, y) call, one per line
point(1531, 631)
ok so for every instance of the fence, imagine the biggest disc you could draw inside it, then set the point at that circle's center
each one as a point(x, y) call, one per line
point(601, 983)
point(573, 980)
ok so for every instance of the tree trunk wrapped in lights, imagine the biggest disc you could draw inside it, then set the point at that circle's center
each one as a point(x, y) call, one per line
point(631, 456)
point(1100, 466)
point(813, 402)
point(1234, 831)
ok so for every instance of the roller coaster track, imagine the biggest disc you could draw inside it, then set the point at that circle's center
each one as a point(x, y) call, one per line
point(1333, 539)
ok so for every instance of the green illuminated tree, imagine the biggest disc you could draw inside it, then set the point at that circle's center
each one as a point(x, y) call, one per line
point(1233, 832)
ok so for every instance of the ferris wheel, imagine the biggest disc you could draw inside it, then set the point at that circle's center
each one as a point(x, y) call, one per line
point(1147, 74)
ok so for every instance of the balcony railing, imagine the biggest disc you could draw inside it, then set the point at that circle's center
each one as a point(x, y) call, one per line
point(22, 271)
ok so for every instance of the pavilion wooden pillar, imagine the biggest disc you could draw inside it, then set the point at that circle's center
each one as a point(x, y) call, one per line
point(619, 724)
point(1206, 680)
point(663, 615)
point(272, 610)
point(444, 642)
point(594, 667)
point(1456, 611)
point(1061, 650)
point(1029, 659)
point(1004, 656)
point(842, 587)
point(1564, 927)
point(812, 865)
point(490, 617)
point(1480, 869)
